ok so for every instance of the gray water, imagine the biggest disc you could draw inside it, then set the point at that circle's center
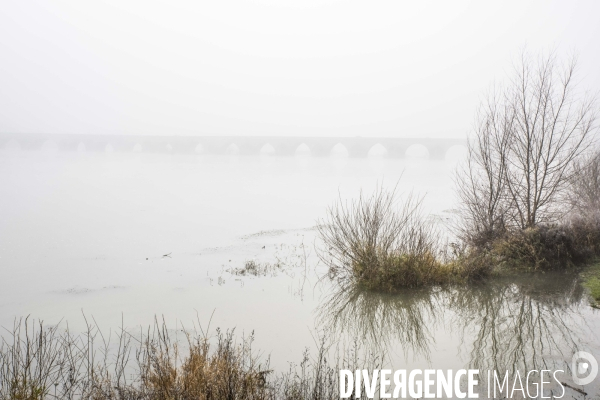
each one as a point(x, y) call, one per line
point(126, 237)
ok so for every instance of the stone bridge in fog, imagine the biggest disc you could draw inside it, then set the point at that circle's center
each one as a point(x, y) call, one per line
point(246, 145)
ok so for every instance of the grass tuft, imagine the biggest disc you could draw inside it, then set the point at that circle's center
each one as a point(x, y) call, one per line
point(380, 244)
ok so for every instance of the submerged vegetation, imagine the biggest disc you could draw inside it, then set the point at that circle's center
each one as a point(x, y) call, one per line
point(254, 268)
point(377, 244)
point(528, 195)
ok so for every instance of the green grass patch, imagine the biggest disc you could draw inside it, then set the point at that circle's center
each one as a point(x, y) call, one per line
point(591, 280)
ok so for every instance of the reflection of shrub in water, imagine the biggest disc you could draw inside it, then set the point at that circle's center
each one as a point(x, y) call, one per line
point(379, 321)
point(512, 323)
point(520, 323)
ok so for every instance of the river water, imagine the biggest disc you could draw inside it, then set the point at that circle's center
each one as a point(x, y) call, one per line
point(127, 237)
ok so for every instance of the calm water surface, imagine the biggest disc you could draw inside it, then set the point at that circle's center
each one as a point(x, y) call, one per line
point(130, 236)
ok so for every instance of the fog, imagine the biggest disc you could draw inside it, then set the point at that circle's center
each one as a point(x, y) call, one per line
point(346, 68)
point(176, 160)
point(127, 236)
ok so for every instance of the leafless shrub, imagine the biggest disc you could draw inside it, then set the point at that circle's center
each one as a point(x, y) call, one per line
point(30, 361)
point(378, 244)
point(585, 233)
point(584, 194)
point(537, 248)
point(570, 243)
point(38, 362)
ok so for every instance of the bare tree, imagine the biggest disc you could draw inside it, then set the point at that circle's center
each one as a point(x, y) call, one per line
point(528, 139)
point(481, 182)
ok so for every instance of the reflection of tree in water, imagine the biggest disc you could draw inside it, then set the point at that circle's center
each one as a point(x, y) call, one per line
point(520, 323)
point(377, 321)
point(507, 324)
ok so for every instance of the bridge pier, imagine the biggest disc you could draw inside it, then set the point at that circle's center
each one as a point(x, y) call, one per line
point(397, 151)
point(248, 148)
point(437, 152)
point(68, 145)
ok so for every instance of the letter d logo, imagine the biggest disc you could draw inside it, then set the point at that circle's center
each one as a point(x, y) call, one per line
point(581, 363)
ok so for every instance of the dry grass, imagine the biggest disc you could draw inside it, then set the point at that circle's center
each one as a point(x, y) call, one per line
point(39, 362)
point(375, 244)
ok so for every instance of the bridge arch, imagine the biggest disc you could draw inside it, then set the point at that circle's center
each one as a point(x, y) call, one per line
point(267, 149)
point(339, 150)
point(377, 151)
point(233, 149)
point(417, 151)
point(302, 150)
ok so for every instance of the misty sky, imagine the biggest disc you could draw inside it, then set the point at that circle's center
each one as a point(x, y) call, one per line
point(272, 67)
